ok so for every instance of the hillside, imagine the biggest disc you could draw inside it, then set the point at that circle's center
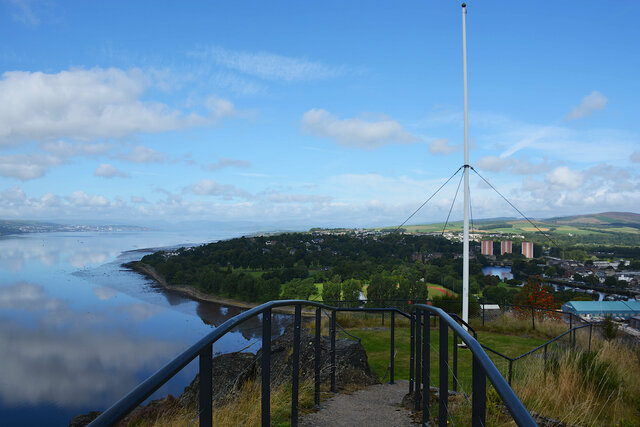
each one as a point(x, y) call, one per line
point(607, 228)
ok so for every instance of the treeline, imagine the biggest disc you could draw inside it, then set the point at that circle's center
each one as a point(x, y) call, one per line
point(289, 265)
point(336, 267)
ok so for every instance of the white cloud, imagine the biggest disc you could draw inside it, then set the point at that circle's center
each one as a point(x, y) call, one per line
point(89, 104)
point(137, 199)
point(82, 199)
point(225, 163)
point(299, 198)
point(269, 66)
point(106, 170)
point(635, 156)
point(207, 187)
point(442, 146)
point(27, 166)
point(355, 132)
point(512, 165)
point(24, 13)
point(591, 103)
point(564, 177)
point(142, 154)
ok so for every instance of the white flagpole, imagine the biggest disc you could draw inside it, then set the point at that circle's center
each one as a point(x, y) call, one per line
point(465, 241)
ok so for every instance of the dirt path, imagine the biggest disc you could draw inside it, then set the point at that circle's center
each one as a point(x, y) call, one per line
point(377, 405)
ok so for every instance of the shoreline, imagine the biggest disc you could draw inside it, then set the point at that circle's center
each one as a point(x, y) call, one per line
point(198, 295)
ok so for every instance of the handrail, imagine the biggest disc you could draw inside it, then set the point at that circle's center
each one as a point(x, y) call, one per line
point(203, 350)
point(550, 341)
point(511, 400)
point(139, 394)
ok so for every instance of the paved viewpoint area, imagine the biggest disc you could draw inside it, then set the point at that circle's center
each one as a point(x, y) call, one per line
point(377, 405)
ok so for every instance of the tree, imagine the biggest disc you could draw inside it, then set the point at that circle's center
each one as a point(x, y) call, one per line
point(351, 290)
point(331, 291)
point(535, 294)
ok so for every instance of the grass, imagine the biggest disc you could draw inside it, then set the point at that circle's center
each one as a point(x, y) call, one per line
point(601, 387)
point(243, 410)
point(438, 291)
point(578, 387)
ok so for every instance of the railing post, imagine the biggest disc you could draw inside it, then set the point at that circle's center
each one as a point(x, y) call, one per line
point(454, 383)
point(333, 351)
point(479, 395)
point(533, 318)
point(510, 369)
point(483, 313)
point(443, 375)
point(318, 357)
point(426, 367)
point(412, 349)
point(266, 368)
point(419, 329)
point(392, 351)
point(206, 384)
point(570, 320)
point(545, 362)
point(590, 328)
point(295, 365)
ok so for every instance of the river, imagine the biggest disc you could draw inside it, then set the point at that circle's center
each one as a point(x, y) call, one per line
point(504, 273)
point(77, 331)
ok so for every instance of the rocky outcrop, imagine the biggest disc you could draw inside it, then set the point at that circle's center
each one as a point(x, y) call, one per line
point(232, 370)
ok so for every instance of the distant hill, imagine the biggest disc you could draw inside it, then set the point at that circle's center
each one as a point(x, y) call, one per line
point(628, 219)
point(611, 228)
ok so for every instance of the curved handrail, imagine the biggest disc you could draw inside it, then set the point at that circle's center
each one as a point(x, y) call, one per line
point(552, 340)
point(511, 400)
point(145, 389)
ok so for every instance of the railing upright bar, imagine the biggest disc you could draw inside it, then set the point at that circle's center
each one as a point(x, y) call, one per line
point(295, 373)
point(454, 383)
point(392, 347)
point(412, 350)
point(510, 370)
point(479, 395)
point(545, 362)
point(533, 318)
point(590, 330)
point(426, 367)
point(205, 361)
point(443, 376)
point(419, 329)
point(266, 368)
point(333, 351)
point(318, 356)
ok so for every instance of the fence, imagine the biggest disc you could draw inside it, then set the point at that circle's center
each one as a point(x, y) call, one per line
point(419, 322)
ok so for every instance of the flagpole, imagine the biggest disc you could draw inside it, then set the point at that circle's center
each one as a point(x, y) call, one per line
point(465, 240)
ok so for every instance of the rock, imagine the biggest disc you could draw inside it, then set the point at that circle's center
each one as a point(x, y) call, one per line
point(231, 371)
point(83, 420)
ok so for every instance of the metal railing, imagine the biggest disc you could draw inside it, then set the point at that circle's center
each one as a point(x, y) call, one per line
point(482, 366)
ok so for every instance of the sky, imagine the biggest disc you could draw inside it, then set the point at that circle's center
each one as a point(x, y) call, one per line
point(311, 114)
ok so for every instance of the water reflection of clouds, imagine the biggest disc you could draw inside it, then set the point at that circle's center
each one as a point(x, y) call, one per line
point(74, 368)
point(17, 250)
point(62, 361)
point(104, 293)
point(83, 258)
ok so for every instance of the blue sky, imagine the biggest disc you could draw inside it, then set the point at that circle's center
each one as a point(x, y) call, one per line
point(314, 114)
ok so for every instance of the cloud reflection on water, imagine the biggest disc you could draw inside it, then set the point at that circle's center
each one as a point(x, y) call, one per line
point(61, 360)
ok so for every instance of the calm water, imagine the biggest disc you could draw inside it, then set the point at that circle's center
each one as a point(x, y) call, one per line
point(77, 331)
point(504, 273)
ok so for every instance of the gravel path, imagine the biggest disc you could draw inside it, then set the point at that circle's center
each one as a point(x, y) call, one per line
point(377, 405)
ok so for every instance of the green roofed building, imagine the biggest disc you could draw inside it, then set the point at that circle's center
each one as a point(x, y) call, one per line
point(615, 309)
